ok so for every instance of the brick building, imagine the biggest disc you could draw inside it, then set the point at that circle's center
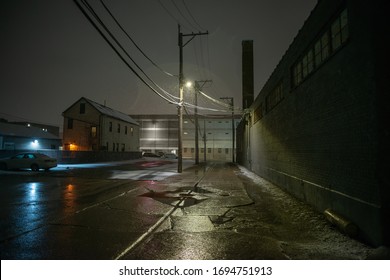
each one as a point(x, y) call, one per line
point(90, 126)
point(319, 126)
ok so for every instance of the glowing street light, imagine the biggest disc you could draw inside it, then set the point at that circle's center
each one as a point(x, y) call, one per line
point(188, 84)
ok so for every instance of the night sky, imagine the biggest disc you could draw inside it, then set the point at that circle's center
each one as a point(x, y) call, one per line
point(51, 55)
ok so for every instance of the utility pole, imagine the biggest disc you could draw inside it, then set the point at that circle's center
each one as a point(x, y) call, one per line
point(231, 99)
point(204, 142)
point(198, 87)
point(181, 84)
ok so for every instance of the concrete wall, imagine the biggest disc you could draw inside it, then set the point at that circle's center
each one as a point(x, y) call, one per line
point(320, 141)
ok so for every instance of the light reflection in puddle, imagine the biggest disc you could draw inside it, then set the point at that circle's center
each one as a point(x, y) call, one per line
point(144, 175)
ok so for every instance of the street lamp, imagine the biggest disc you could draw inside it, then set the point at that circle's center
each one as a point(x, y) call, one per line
point(231, 99)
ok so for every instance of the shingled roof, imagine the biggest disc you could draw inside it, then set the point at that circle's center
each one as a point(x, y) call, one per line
point(107, 111)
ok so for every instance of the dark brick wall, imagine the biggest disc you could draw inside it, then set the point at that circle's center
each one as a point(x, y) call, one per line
point(321, 141)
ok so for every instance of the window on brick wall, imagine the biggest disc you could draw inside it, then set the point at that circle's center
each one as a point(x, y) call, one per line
point(321, 49)
point(329, 42)
point(274, 97)
point(308, 63)
point(110, 126)
point(339, 30)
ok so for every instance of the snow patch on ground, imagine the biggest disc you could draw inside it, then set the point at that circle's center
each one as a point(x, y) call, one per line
point(327, 239)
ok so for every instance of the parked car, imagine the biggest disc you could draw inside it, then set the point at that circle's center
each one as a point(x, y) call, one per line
point(33, 161)
point(170, 156)
point(147, 154)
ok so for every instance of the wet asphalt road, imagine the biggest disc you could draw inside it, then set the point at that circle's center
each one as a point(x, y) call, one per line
point(64, 213)
point(144, 210)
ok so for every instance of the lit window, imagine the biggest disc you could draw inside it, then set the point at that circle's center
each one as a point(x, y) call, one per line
point(93, 131)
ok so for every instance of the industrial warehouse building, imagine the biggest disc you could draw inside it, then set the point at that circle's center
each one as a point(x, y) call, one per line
point(159, 133)
point(319, 126)
point(90, 126)
point(26, 136)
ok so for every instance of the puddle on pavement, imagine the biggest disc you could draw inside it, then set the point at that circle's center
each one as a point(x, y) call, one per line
point(192, 224)
point(181, 197)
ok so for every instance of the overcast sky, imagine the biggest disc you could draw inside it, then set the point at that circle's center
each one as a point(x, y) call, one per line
point(51, 55)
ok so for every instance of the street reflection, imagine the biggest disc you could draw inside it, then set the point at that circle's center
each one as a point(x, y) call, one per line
point(69, 198)
point(31, 210)
point(33, 190)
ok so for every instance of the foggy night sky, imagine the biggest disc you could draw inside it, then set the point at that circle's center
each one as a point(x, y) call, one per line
point(51, 55)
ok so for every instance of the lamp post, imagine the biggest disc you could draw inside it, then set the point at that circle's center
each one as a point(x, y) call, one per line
point(231, 99)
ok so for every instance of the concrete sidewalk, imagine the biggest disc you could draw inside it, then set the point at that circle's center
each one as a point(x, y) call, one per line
point(223, 211)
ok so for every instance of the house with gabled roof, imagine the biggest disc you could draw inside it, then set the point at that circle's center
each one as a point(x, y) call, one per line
point(90, 126)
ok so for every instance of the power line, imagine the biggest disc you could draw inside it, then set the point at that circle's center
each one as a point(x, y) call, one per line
point(183, 16)
point(189, 12)
point(171, 97)
point(131, 39)
point(91, 10)
point(170, 14)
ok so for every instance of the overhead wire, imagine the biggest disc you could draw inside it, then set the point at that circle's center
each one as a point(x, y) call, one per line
point(135, 44)
point(169, 97)
point(171, 15)
point(193, 18)
point(122, 48)
point(182, 15)
point(92, 11)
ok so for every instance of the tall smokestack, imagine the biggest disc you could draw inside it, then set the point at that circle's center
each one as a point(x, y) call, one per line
point(247, 74)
